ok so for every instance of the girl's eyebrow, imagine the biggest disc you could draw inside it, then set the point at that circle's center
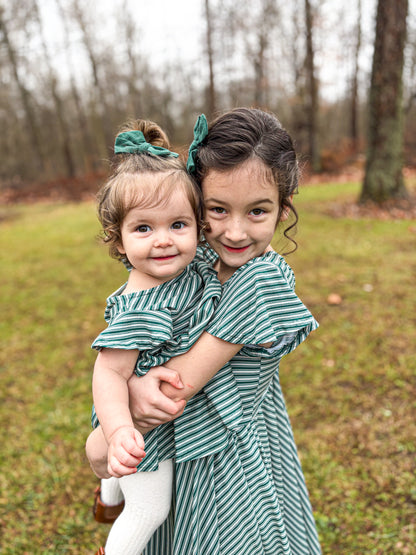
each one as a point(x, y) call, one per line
point(212, 199)
point(262, 201)
point(257, 201)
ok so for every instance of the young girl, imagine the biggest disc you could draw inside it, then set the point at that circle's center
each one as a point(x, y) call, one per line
point(149, 213)
point(250, 496)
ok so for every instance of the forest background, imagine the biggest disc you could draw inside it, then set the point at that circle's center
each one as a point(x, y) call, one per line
point(71, 72)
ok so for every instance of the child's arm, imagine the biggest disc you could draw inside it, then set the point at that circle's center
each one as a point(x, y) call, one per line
point(112, 369)
point(149, 393)
point(197, 366)
point(96, 447)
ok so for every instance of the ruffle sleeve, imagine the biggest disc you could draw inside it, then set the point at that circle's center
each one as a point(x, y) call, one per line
point(259, 305)
point(137, 329)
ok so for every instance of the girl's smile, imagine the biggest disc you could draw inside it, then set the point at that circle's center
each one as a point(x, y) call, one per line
point(236, 249)
point(242, 211)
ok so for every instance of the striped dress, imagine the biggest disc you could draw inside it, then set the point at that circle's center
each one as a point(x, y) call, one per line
point(162, 322)
point(249, 497)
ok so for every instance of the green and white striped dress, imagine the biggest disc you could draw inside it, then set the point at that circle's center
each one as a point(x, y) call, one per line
point(162, 322)
point(249, 497)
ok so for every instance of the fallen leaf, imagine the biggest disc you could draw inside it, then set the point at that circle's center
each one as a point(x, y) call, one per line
point(334, 299)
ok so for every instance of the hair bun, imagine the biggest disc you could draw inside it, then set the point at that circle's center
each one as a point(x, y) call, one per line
point(153, 134)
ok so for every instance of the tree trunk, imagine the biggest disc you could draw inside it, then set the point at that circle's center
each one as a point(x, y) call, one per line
point(383, 176)
point(212, 102)
point(59, 108)
point(103, 112)
point(25, 96)
point(354, 84)
point(129, 24)
point(89, 149)
point(259, 62)
point(297, 65)
point(265, 29)
point(312, 104)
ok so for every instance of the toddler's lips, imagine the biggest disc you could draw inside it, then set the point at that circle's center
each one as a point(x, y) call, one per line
point(164, 257)
point(236, 249)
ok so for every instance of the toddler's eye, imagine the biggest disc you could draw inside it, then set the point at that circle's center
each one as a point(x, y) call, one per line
point(257, 211)
point(143, 228)
point(178, 225)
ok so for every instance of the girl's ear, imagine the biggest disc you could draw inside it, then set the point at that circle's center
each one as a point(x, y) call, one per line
point(286, 211)
point(285, 214)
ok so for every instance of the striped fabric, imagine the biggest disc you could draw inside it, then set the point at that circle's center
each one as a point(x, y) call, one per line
point(163, 322)
point(239, 485)
point(250, 497)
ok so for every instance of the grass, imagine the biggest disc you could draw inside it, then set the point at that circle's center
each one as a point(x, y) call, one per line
point(350, 389)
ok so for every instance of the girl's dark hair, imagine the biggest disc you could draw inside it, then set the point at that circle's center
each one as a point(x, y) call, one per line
point(244, 133)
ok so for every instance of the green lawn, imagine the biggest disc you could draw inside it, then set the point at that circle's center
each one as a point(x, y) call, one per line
point(350, 389)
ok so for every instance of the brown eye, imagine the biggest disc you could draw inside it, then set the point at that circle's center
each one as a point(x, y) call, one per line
point(178, 225)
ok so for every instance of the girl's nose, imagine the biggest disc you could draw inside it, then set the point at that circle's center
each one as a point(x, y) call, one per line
point(235, 231)
point(163, 239)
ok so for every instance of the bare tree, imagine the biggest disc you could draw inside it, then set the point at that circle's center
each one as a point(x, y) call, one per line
point(264, 29)
point(293, 51)
point(59, 107)
point(383, 176)
point(128, 23)
point(89, 149)
point(34, 131)
point(412, 93)
point(248, 33)
point(212, 101)
point(100, 108)
point(409, 90)
point(312, 90)
point(354, 81)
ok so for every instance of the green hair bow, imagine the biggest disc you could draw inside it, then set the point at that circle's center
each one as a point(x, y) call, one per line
point(132, 142)
point(200, 132)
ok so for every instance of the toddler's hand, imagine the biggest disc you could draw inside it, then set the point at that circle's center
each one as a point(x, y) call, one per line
point(125, 451)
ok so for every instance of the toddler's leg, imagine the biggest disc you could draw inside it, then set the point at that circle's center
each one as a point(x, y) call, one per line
point(111, 493)
point(96, 449)
point(147, 497)
point(108, 501)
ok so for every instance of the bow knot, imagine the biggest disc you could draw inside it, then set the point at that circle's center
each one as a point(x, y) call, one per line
point(133, 142)
point(200, 133)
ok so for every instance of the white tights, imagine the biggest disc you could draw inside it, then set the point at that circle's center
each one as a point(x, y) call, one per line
point(147, 497)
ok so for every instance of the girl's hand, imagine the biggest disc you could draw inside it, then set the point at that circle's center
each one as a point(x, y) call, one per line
point(149, 407)
point(125, 451)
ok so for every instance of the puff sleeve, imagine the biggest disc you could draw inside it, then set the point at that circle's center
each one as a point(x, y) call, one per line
point(259, 305)
point(136, 329)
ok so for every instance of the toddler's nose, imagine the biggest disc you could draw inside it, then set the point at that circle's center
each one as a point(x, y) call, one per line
point(162, 240)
